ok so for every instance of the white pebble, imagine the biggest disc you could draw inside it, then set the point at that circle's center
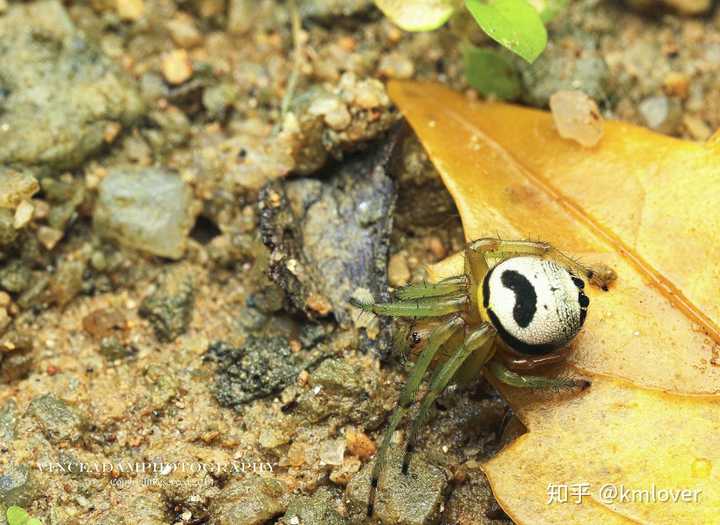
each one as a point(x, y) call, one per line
point(577, 117)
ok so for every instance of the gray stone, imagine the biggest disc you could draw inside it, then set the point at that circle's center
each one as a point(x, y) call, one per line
point(133, 509)
point(8, 420)
point(148, 209)
point(16, 486)
point(56, 419)
point(412, 499)
point(329, 9)
point(473, 502)
point(253, 501)
point(61, 93)
point(15, 277)
point(560, 69)
point(8, 233)
point(319, 509)
point(342, 390)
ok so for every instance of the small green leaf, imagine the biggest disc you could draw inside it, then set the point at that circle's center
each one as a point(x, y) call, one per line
point(513, 23)
point(418, 15)
point(491, 73)
point(17, 516)
point(34, 521)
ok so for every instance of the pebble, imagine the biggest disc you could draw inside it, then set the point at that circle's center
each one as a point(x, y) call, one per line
point(5, 320)
point(42, 209)
point(676, 85)
point(398, 270)
point(112, 130)
point(273, 438)
point(660, 113)
point(333, 111)
point(49, 237)
point(250, 501)
point(16, 187)
point(104, 322)
point(183, 31)
point(436, 247)
point(177, 66)
point(23, 214)
point(696, 127)
point(319, 304)
point(126, 195)
point(359, 444)
point(332, 451)
point(130, 10)
point(396, 65)
point(577, 117)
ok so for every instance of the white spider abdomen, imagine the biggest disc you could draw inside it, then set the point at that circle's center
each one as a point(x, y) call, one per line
point(535, 304)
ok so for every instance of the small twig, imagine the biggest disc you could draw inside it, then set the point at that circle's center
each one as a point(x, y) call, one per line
point(295, 73)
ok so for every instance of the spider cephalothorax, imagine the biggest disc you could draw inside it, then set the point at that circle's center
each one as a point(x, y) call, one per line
point(514, 315)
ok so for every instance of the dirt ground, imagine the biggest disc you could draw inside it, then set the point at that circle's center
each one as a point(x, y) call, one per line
point(179, 238)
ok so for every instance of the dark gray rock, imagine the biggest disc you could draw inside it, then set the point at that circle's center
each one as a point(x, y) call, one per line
point(169, 308)
point(261, 367)
point(329, 237)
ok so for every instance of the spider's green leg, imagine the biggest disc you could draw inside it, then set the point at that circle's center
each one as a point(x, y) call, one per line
point(437, 338)
point(475, 340)
point(513, 379)
point(427, 307)
point(498, 248)
point(451, 286)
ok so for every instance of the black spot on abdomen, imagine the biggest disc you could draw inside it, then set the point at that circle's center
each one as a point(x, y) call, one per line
point(525, 296)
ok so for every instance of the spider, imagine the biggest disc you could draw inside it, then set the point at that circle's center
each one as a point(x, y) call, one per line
point(516, 307)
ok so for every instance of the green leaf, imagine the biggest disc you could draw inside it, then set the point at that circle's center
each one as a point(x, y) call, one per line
point(418, 15)
point(513, 23)
point(491, 73)
point(34, 521)
point(17, 516)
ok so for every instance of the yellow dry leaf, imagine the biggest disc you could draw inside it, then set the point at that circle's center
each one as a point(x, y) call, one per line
point(647, 205)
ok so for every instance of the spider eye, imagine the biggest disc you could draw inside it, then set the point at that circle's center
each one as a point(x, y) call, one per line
point(536, 305)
